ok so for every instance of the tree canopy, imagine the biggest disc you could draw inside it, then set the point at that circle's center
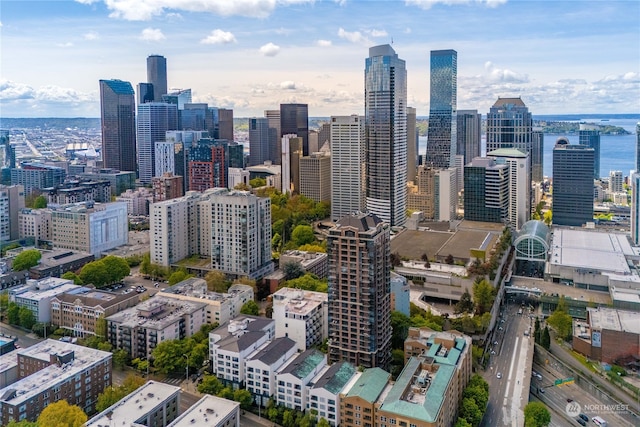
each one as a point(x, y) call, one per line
point(61, 414)
point(560, 320)
point(483, 296)
point(308, 282)
point(26, 259)
point(110, 269)
point(250, 307)
point(536, 414)
point(303, 235)
point(217, 281)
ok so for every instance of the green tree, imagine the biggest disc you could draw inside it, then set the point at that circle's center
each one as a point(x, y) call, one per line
point(323, 423)
point(23, 423)
point(26, 259)
point(61, 414)
point(168, 356)
point(101, 328)
point(116, 267)
point(288, 418)
point(292, 270)
point(145, 264)
point(483, 295)
point(198, 355)
point(312, 247)
point(27, 319)
point(465, 305)
point(545, 339)
point(257, 182)
point(400, 324)
point(105, 346)
point(302, 235)
point(120, 358)
point(13, 313)
point(96, 274)
point(250, 307)
point(40, 202)
point(276, 241)
point(548, 217)
point(217, 281)
point(244, 397)
point(178, 276)
point(470, 411)
point(226, 393)
point(70, 275)
point(536, 414)
point(308, 282)
point(210, 385)
point(242, 187)
point(462, 423)
point(108, 397)
point(560, 320)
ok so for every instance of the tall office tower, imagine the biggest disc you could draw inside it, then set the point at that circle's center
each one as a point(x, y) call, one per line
point(486, 190)
point(180, 97)
point(537, 155)
point(157, 75)
point(11, 201)
point(235, 155)
point(154, 120)
point(178, 142)
point(616, 181)
point(459, 165)
point(314, 147)
point(385, 112)
point(635, 208)
point(259, 150)
point(412, 144)
point(208, 165)
point(519, 184)
point(590, 136)
point(359, 252)
point(275, 140)
point(118, 119)
point(193, 117)
point(315, 177)
point(638, 147)
point(225, 124)
point(509, 125)
point(145, 92)
point(7, 157)
point(324, 135)
point(294, 119)
point(347, 165)
point(446, 194)
point(295, 155)
point(423, 198)
point(469, 134)
point(572, 183)
point(442, 135)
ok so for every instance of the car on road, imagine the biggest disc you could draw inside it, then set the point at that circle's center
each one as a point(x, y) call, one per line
point(541, 390)
point(500, 328)
point(569, 400)
point(493, 352)
point(499, 375)
point(495, 343)
point(581, 421)
point(584, 417)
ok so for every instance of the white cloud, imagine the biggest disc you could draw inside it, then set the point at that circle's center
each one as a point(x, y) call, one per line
point(323, 43)
point(378, 33)
point(91, 35)
point(218, 36)
point(144, 10)
point(152, 35)
point(270, 49)
point(10, 90)
point(353, 36)
point(497, 74)
point(66, 44)
point(289, 85)
point(22, 97)
point(428, 4)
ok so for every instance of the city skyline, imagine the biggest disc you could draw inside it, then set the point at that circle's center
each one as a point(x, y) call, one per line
point(297, 51)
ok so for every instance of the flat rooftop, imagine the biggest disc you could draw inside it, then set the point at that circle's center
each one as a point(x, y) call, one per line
point(136, 404)
point(590, 250)
point(157, 312)
point(614, 320)
point(299, 301)
point(197, 288)
point(208, 411)
point(36, 295)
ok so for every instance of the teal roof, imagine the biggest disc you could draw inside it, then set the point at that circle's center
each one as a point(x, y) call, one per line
point(336, 377)
point(427, 410)
point(305, 363)
point(506, 152)
point(452, 356)
point(120, 87)
point(370, 384)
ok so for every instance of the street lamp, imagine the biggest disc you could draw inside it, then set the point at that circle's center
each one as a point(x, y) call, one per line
point(187, 357)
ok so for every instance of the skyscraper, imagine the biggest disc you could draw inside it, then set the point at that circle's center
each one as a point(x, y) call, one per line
point(486, 190)
point(145, 92)
point(590, 136)
point(469, 134)
point(519, 210)
point(157, 75)
point(638, 147)
point(386, 135)
point(347, 165)
point(154, 120)
point(509, 125)
point(442, 135)
point(412, 144)
point(537, 155)
point(225, 128)
point(294, 119)
point(359, 252)
point(572, 183)
point(259, 149)
point(118, 123)
point(635, 207)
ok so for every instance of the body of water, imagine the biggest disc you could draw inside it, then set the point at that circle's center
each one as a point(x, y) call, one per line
point(617, 152)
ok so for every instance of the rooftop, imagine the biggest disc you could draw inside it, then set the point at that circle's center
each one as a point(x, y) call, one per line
point(241, 325)
point(370, 384)
point(274, 350)
point(304, 364)
point(157, 312)
point(96, 298)
point(507, 152)
point(136, 404)
point(361, 221)
point(206, 412)
point(197, 288)
point(38, 293)
point(59, 256)
point(299, 301)
point(614, 320)
point(74, 360)
point(336, 377)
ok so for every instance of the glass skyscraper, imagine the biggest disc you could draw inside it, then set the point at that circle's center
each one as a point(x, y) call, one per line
point(157, 75)
point(386, 135)
point(294, 120)
point(442, 133)
point(118, 123)
point(572, 184)
point(590, 136)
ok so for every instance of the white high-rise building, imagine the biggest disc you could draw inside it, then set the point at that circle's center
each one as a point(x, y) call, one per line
point(231, 227)
point(154, 120)
point(347, 165)
point(446, 197)
point(519, 184)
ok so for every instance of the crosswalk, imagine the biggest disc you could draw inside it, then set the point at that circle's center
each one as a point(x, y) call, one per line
point(173, 381)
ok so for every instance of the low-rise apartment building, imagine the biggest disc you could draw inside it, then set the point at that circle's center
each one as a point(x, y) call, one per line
point(37, 295)
point(358, 398)
point(302, 316)
point(324, 394)
point(261, 368)
point(294, 378)
point(210, 411)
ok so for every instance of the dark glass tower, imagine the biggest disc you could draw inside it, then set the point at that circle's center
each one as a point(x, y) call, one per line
point(537, 155)
point(469, 134)
point(118, 122)
point(385, 112)
point(259, 149)
point(590, 136)
point(359, 252)
point(572, 184)
point(442, 135)
point(157, 75)
point(294, 119)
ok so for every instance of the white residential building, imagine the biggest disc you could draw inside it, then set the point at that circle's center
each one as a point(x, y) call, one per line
point(137, 200)
point(231, 344)
point(210, 411)
point(238, 176)
point(302, 316)
point(446, 197)
point(173, 228)
point(347, 165)
point(220, 307)
point(36, 295)
point(261, 367)
point(519, 184)
point(294, 378)
point(35, 223)
point(324, 395)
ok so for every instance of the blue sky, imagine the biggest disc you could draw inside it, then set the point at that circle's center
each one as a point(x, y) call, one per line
point(251, 55)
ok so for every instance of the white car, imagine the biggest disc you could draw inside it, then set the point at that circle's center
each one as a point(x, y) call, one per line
point(499, 375)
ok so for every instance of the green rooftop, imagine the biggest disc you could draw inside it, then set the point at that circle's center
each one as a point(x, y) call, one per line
point(336, 377)
point(506, 152)
point(370, 384)
point(305, 363)
point(426, 409)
